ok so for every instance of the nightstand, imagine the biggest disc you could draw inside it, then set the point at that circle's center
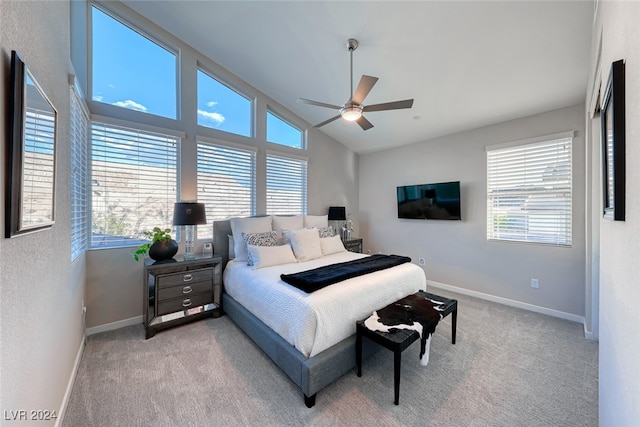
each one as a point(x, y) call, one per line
point(353, 245)
point(177, 292)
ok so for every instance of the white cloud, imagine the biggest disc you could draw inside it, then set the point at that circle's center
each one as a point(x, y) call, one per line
point(212, 103)
point(216, 117)
point(97, 98)
point(131, 105)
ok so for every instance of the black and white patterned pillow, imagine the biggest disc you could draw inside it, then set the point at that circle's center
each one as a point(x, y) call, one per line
point(325, 231)
point(267, 238)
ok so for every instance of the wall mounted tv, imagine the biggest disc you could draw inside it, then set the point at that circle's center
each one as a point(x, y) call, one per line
point(430, 201)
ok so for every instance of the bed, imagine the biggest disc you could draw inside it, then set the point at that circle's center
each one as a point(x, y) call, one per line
point(310, 337)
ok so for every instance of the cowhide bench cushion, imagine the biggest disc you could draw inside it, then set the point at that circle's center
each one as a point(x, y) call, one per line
point(401, 323)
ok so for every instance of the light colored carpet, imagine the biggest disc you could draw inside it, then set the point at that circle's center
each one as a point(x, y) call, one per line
point(509, 367)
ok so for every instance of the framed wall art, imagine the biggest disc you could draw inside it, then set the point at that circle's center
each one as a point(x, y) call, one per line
point(613, 144)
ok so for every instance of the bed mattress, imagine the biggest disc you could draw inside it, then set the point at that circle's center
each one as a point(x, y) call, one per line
point(316, 321)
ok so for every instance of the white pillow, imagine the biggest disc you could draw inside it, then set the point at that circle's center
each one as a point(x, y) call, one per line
point(232, 250)
point(248, 226)
point(280, 223)
point(331, 245)
point(266, 256)
point(317, 221)
point(286, 235)
point(268, 238)
point(306, 244)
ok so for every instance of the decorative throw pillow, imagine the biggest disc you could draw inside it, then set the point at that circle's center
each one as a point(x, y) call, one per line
point(259, 239)
point(317, 221)
point(306, 244)
point(267, 256)
point(247, 225)
point(280, 223)
point(325, 232)
point(332, 245)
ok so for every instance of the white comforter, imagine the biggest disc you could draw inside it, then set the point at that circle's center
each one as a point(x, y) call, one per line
point(316, 321)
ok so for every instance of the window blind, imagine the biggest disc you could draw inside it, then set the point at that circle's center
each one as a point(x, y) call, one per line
point(529, 192)
point(226, 183)
point(79, 147)
point(133, 184)
point(286, 185)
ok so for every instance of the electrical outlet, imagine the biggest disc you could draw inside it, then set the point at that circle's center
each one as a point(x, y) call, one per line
point(421, 261)
point(534, 283)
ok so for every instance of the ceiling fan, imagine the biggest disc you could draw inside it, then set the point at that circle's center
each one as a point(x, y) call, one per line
point(353, 109)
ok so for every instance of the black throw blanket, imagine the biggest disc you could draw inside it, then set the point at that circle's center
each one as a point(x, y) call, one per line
point(317, 278)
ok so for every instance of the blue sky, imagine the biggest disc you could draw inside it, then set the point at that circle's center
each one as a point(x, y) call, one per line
point(131, 71)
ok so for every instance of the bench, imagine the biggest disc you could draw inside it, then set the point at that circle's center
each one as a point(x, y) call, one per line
point(398, 340)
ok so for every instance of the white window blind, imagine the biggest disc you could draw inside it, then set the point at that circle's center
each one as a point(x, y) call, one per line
point(226, 183)
point(133, 184)
point(286, 185)
point(529, 192)
point(79, 141)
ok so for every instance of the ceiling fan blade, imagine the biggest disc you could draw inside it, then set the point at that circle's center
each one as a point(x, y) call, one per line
point(328, 121)
point(364, 87)
point(319, 104)
point(396, 105)
point(364, 123)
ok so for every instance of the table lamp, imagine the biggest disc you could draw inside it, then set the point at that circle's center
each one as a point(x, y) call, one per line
point(337, 213)
point(189, 214)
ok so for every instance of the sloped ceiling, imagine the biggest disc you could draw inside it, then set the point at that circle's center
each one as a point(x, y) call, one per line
point(466, 64)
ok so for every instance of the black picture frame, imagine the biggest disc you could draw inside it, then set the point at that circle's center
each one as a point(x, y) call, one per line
point(31, 154)
point(613, 144)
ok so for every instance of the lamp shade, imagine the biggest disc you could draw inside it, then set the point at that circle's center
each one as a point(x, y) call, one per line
point(337, 213)
point(189, 213)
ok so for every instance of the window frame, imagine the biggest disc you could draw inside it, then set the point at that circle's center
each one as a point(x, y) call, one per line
point(521, 234)
point(110, 110)
point(293, 124)
point(252, 103)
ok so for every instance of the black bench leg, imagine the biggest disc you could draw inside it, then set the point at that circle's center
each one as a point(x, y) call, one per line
point(454, 321)
point(310, 400)
point(397, 358)
point(358, 351)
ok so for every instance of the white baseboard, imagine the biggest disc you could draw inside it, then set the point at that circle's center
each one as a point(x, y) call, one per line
point(509, 302)
point(114, 325)
point(72, 380)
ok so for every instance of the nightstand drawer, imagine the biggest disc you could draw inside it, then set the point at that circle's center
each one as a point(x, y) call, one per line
point(185, 278)
point(184, 290)
point(178, 304)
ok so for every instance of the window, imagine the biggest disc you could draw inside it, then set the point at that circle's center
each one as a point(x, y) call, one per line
point(222, 108)
point(529, 191)
point(226, 183)
point(286, 185)
point(130, 70)
point(281, 132)
point(133, 184)
point(79, 142)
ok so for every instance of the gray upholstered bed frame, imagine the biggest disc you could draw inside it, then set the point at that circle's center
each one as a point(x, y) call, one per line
point(310, 374)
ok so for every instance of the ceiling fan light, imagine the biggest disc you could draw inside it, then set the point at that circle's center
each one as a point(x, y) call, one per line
point(351, 113)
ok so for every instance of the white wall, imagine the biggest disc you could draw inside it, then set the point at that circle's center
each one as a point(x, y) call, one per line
point(619, 380)
point(41, 291)
point(114, 279)
point(457, 252)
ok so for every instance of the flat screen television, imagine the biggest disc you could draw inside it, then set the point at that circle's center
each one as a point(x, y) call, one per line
point(430, 201)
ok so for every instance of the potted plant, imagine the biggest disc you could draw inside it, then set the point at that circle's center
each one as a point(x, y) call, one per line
point(161, 247)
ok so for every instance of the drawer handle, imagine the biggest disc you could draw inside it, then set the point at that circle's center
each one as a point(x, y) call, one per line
point(187, 278)
point(187, 290)
point(186, 303)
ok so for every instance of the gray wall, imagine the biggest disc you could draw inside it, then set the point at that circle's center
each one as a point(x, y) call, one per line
point(616, 25)
point(114, 279)
point(41, 291)
point(457, 253)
